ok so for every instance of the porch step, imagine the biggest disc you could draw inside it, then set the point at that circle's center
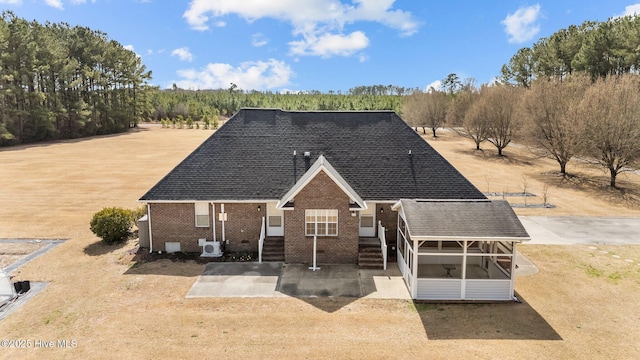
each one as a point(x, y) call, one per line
point(369, 254)
point(273, 249)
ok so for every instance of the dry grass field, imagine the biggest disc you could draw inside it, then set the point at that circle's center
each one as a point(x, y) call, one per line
point(584, 303)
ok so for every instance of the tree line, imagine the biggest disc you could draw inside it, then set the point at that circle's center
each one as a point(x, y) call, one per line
point(58, 82)
point(597, 121)
point(203, 105)
point(598, 49)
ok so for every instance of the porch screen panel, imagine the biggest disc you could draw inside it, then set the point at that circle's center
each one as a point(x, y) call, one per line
point(321, 222)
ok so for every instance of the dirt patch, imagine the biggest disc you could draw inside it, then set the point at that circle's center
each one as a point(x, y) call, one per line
point(582, 303)
point(10, 252)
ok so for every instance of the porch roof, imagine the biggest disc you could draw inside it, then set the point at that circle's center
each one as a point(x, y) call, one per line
point(477, 219)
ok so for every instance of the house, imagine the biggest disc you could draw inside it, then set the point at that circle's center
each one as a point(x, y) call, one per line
point(337, 187)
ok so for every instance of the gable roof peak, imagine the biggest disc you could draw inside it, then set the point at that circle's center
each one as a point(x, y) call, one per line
point(321, 164)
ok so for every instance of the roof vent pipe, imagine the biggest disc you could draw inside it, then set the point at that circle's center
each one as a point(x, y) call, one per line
point(294, 153)
point(409, 151)
point(307, 160)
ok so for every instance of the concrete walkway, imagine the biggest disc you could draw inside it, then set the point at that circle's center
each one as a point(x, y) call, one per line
point(571, 230)
point(282, 280)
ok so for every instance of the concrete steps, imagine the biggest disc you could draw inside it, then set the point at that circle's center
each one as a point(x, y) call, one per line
point(273, 249)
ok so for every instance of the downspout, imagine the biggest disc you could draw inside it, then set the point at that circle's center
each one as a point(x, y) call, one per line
point(149, 224)
point(213, 218)
point(222, 216)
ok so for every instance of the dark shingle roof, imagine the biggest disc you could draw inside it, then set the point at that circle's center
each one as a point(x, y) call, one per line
point(251, 158)
point(476, 219)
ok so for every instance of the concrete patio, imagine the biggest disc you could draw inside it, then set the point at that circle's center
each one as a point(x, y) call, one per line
point(281, 280)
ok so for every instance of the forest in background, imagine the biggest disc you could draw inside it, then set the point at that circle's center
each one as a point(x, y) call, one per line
point(60, 82)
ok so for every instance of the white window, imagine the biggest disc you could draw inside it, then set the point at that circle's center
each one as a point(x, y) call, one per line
point(321, 222)
point(202, 214)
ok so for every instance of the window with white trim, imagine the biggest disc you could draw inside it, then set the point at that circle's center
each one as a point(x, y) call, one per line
point(321, 222)
point(202, 214)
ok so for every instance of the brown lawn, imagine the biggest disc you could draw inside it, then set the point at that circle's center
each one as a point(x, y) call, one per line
point(583, 303)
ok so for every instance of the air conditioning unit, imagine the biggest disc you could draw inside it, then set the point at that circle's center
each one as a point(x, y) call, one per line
point(210, 248)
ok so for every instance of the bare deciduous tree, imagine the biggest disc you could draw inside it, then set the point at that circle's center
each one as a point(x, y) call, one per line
point(492, 116)
point(426, 110)
point(611, 109)
point(463, 121)
point(555, 124)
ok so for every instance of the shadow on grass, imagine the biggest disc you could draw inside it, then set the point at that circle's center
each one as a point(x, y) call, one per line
point(626, 192)
point(100, 248)
point(507, 158)
point(499, 321)
point(167, 264)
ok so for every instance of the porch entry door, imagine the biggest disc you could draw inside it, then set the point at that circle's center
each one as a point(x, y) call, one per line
point(275, 220)
point(368, 221)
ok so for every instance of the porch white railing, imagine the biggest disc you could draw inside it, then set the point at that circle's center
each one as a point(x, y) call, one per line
point(383, 243)
point(261, 240)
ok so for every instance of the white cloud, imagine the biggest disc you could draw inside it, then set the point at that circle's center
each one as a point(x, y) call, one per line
point(258, 40)
point(316, 21)
point(55, 3)
point(130, 48)
point(78, 2)
point(631, 10)
point(250, 75)
point(11, 2)
point(521, 26)
point(183, 54)
point(436, 85)
point(328, 45)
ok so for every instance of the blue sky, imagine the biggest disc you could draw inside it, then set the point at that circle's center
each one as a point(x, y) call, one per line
point(298, 45)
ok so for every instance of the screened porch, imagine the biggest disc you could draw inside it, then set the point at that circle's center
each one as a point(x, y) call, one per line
point(458, 266)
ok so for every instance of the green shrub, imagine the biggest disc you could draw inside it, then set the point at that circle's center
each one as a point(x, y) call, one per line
point(112, 224)
point(138, 212)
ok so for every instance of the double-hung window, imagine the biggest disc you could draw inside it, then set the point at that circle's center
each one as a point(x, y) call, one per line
point(321, 222)
point(202, 214)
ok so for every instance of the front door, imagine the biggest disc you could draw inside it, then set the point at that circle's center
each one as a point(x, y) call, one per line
point(275, 220)
point(368, 221)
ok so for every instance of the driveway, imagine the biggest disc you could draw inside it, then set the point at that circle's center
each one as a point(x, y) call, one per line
point(570, 230)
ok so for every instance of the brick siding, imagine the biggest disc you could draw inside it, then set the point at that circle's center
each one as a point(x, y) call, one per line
point(321, 193)
point(175, 222)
